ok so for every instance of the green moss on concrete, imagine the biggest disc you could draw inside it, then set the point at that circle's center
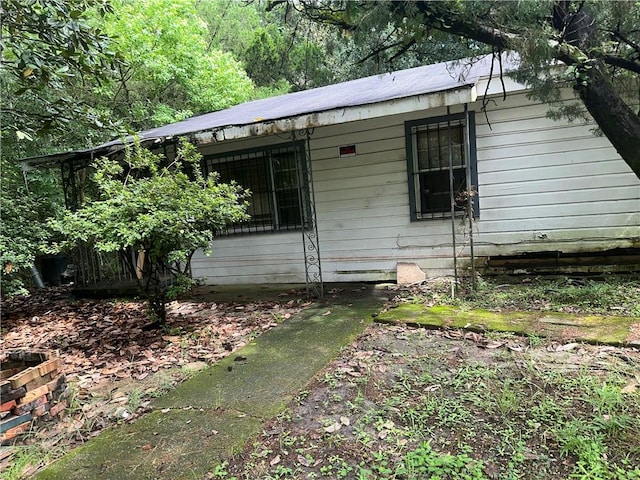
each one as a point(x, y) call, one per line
point(213, 414)
point(177, 444)
point(278, 364)
point(588, 328)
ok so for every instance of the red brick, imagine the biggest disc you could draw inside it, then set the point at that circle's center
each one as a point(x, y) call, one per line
point(40, 410)
point(14, 394)
point(28, 407)
point(53, 365)
point(31, 357)
point(57, 408)
point(5, 387)
point(33, 394)
point(15, 431)
point(38, 382)
point(7, 406)
point(54, 384)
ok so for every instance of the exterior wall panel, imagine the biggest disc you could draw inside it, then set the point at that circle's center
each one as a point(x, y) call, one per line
point(543, 186)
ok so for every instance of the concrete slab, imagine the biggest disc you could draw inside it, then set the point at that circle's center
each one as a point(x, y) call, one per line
point(209, 417)
point(620, 331)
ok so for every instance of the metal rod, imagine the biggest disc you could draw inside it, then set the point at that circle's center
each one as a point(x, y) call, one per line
point(453, 202)
point(467, 156)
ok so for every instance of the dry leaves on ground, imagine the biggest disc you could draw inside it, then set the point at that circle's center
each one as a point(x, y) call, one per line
point(107, 353)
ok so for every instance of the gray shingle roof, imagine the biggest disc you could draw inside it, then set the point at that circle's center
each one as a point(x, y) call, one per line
point(364, 91)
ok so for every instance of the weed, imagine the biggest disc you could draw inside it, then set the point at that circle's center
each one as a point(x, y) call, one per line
point(25, 462)
point(221, 472)
point(614, 295)
point(535, 340)
point(301, 397)
point(507, 401)
point(331, 380)
point(135, 399)
point(423, 462)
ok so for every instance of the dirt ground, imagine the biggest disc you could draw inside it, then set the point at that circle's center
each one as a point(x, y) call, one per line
point(396, 403)
point(492, 402)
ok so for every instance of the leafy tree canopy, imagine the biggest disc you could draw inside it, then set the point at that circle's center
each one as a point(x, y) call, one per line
point(162, 209)
point(22, 231)
point(46, 45)
point(171, 70)
point(599, 41)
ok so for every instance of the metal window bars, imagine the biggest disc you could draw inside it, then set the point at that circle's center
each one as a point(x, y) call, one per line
point(271, 175)
point(437, 147)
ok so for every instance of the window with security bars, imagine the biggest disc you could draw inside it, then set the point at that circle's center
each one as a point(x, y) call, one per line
point(432, 146)
point(274, 180)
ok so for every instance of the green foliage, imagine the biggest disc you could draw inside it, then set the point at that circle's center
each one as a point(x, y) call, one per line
point(423, 462)
point(48, 45)
point(171, 72)
point(164, 208)
point(22, 231)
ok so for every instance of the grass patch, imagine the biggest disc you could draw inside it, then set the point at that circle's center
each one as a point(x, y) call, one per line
point(437, 408)
point(610, 295)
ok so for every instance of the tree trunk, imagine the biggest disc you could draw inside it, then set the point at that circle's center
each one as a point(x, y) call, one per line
point(614, 117)
point(618, 122)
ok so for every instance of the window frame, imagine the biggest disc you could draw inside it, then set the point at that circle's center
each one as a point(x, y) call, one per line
point(264, 154)
point(471, 168)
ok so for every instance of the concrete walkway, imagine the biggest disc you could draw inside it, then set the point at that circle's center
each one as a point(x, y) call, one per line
point(212, 415)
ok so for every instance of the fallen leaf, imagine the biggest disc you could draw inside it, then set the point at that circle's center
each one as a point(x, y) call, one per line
point(275, 460)
point(147, 447)
point(567, 347)
point(334, 427)
point(328, 312)
point(345, 421)
point(629, 387)
point(304, 460)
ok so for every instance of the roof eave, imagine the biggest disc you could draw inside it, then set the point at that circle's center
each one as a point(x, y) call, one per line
point(457, 96)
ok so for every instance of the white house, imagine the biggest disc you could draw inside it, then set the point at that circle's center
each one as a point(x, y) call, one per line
point(352, 179)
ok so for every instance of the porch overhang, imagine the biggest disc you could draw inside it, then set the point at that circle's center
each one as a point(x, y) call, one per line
point(457, 96)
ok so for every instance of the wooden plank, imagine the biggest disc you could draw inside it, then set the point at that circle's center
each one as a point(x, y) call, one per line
point(560, 198)
point(10, 372)
point(600, 208)
point(24, 377)
point(581, 221)
point(12, 422)
point(53, 365)
point(599, 154)
point(356, 172)
point(554, 185)
point(568, 173)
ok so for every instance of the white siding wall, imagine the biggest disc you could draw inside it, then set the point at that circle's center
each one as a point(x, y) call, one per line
point(543, 185)
point(251, 258)
point(548, 185)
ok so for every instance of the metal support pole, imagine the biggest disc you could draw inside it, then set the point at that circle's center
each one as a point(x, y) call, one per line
point(453, 202)
point(310, 242)
point(467, 156)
